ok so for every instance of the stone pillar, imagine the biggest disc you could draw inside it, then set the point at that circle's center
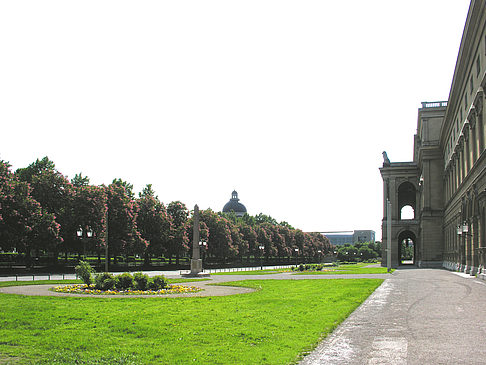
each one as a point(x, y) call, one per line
point(196, 262)
point(467, 150)
point(474, 139)
point(475, 247)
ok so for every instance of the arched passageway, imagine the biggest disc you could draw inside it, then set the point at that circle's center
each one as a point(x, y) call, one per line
point(406, 248)
point(407, 200)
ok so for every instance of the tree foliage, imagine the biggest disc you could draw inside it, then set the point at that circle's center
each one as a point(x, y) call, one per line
point(41, 210)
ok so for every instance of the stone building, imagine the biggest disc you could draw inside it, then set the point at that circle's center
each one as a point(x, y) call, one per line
point(234, 205)
point(445, 184)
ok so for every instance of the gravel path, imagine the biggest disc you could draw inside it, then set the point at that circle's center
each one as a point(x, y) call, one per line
point(207, 290)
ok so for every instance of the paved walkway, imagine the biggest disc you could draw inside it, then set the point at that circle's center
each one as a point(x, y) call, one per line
point(207, 289)
point(417, 316)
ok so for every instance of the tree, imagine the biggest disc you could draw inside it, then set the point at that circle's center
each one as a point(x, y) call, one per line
point(366, 253)
point(220, 242)
point(178, 243)
point(123, 235)
point(23, 224)
point(249, 236)
point(153, 222)
point(54, 192)
point(90, 207)
point(79, 180)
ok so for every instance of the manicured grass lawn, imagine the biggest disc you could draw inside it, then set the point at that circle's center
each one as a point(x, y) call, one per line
point(250, 272)
point(341, 270)
point(273, 325)
point(41, 282)
point(358, 268)
point(38, 282)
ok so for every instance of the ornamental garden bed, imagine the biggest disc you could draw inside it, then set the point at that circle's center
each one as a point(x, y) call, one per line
point(123, 284)
point(91, 289)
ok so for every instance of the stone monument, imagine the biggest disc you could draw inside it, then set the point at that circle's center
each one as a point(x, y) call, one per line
point(196, 262)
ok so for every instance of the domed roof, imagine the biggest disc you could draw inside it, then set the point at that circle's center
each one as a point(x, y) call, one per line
point(234, 205)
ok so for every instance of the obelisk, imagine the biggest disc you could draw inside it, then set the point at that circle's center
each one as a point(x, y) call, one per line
point(196, 262)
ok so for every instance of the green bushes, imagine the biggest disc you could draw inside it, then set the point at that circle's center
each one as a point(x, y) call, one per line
point(308, 267)
point(104, 281)
point(84, 271)
point(124, 281)
point(158, 282)
point(139, 281)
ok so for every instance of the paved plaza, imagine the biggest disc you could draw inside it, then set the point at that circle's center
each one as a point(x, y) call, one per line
point(417, 316)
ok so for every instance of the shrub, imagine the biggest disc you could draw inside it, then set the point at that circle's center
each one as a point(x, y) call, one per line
point(301, 267)
point(104, 281)
point(123, 281)
point(84, 271)
point(157, 282)
point(140, 281)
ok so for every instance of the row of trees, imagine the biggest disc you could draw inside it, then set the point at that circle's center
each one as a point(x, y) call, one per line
point(359, 251)
point(41, 210)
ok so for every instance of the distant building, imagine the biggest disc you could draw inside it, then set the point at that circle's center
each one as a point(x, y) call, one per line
point(351, 237)
point(234, 205)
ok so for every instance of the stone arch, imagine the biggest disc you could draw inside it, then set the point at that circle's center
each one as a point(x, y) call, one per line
point(407, 239)
point(407, 197)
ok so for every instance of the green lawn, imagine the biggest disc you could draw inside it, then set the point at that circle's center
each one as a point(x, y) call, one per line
point(340, 270)
point(249, 272)
point(40, 282)
point(358, 268)
point(273, 325)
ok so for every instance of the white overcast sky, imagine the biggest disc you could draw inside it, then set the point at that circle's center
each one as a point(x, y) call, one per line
point(291, 103)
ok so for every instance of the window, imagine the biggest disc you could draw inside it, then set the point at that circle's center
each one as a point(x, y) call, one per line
point(478, 66)
point(471, 86)
point(465, 104)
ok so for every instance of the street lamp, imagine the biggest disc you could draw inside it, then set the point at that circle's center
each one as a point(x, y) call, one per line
point(261, 247)
point(205, 245)
point(463, 229)
point(320, 254)
point(80, 233)
point(296, 255)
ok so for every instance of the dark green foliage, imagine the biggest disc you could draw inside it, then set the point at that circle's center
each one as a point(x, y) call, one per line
point(140, 281)
point(157, 282)
point(123, 281)
point(104, 281)
point(308, 267)
point(84, 271)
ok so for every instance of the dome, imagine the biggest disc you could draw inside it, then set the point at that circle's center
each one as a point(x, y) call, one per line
point(234, 205)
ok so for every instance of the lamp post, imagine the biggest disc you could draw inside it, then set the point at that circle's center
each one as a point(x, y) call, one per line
point(296, 255)
point(81, 233)
point(320, 255)
point(261, 247)
point(203, 244)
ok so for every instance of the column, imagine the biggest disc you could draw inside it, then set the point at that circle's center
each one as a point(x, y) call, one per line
point(474, 142)
point(481, 133)
point(481, 243)
point(467, 150)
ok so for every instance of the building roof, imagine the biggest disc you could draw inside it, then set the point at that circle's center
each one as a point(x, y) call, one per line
point(234, 205)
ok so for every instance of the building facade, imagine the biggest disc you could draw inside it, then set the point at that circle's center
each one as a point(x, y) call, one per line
point(445, 184)
point(352, 237)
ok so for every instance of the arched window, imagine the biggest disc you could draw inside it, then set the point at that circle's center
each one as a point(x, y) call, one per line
point(407, 200)
point(407, 212)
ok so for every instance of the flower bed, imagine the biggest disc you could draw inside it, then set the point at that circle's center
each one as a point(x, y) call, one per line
point(91, 289)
